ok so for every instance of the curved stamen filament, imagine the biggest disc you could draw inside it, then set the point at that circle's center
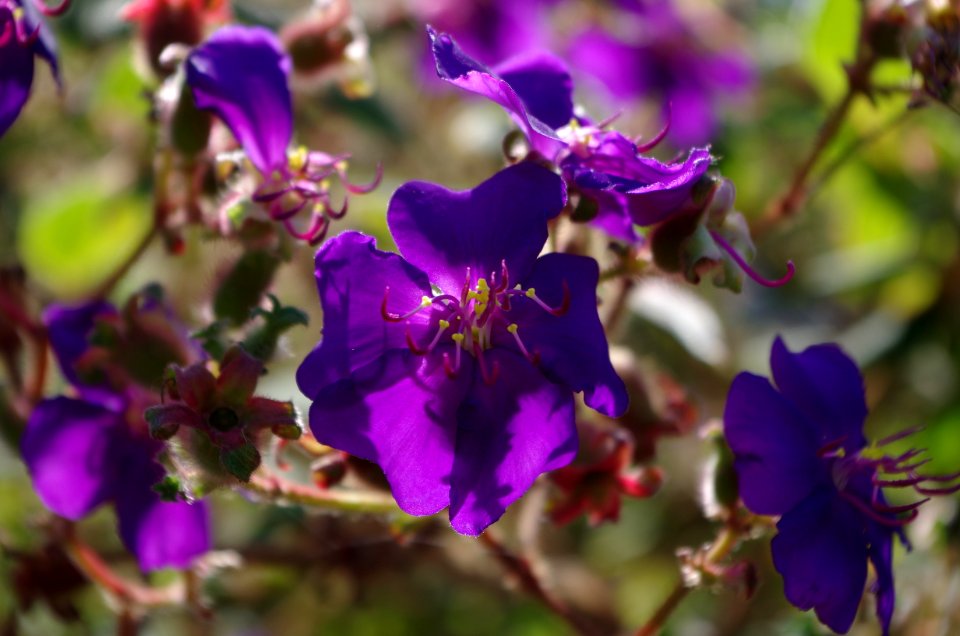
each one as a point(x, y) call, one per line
point(443, 326)
point(52, 11)
point(749, 271)
point(531, 293)
point(354, 188)
point(513, 328)
point(489, 375)
point(8, 29)
point(452, 369)
point(829, 449)
point(889, 439)
point(877, 516)
point(655, 141)
point(425, 302)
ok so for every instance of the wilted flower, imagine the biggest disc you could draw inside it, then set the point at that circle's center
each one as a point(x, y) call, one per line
point(224, 409)
point(241, 74)
point(600, 165)
point(92, 449)
point(452, 366)
point(23, 35)
point(600, 476)
point(800, 452)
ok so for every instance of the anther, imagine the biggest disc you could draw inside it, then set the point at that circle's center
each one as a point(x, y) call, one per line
point(513, 328)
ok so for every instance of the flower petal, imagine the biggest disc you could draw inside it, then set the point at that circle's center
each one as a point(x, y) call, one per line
point(241, 74)
point(504, 219)
point(507, 435)
point(544, 85)
point(572, 347)
point(239, 375)
point(820, 550)
point(16, 74)
point(160, 533)
point(45, 46)
point(67, 446)
point(881, 555)
point(774, 447)
point(400, 412)
point(826, 386)
point(649, 190)
point(458, 68)
point(352, 278)
point(69, 328)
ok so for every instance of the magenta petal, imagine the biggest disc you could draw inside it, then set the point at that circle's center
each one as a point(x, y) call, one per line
point(161, 534)
point(400, 412)
point(352, 278)
point(503, 219)
point(508, 434)
point(458, 68)
point(16, 74)
point(66, 447)
point(820, 550)
point(241, 74)
point(775, 448)
point(572, 347)
point(826, 386)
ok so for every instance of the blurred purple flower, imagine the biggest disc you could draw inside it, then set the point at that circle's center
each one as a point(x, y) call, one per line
point(800, 452)
point(23, 35)
point(241, 74)
point(536, 90)
point(655, 54)
point(92, 449)
point(452, 366)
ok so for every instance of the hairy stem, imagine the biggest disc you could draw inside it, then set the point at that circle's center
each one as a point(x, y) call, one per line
point(277, 488)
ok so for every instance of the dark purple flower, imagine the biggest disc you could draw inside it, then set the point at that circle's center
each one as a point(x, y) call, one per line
point(452, 365)
point(536, 90)
point(241, 74)
point(654, 53)
point(95, 448)
point(23, 35)
point(800, 453)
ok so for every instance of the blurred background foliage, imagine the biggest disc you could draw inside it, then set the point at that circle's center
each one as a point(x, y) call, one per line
point(878, 271)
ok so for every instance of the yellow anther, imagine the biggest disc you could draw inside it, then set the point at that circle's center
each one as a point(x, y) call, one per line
point(224, 168)
point(298, 158)
point(444, 324)
point(18, 13)
point(457, 337)
point(475, 332)
point(512, 328)
point(530, 293)
point(426, 301)
point(340, 166)
point(482, 285)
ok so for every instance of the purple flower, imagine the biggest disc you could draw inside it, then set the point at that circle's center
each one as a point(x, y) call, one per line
point(452, 365)
point(800, 453)
point(23, 35)
point(536, 90)
point(92, 449)
point(655, 54)
point(241, 74)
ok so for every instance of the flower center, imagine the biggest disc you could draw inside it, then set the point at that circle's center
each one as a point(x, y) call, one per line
point(223, 419)
point(860, 478)
point(472, 320)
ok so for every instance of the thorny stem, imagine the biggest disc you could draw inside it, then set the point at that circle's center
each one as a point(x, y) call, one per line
point(530, 582)
point(722, 546)
point(277, 488)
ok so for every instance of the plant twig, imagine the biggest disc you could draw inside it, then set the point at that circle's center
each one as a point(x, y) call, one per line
point(278, 488)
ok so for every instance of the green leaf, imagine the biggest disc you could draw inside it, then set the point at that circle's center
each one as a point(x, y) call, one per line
point(74, 238)
point(240, 461)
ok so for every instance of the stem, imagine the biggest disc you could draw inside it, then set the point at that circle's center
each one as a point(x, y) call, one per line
point(107, 286)
point(618, 308)
point(277, 488)
point(127, 593)
point(858, 82)
point(528, 580)
point(722, 546)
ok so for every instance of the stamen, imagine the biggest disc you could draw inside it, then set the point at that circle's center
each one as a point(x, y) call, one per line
point(339, 214)
point(444, 325)
point(653, 143)
point(827, 449)
point(361, 189)
point(876, 516)
point(7, 32)
point(53, 11)
point(451, 370)
point(513, 328)
point(24, 38)
point(947, 490)
point(425, 302)
point(609, 120)
point(556, 311)
point(889, 439)
point(757, 278)
point(488, 378)
point(895, 510)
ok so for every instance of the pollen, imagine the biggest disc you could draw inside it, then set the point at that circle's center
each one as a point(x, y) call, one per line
point(298, 159)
